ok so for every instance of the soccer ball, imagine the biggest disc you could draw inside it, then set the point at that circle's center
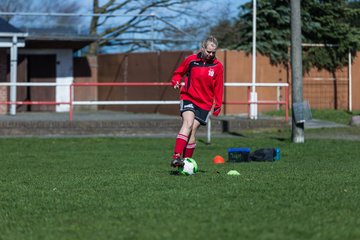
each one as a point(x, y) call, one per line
point(190, 167)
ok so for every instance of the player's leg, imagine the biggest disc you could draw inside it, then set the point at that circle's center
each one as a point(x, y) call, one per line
point(188, 117)
point(190, 147)
point(201, 118)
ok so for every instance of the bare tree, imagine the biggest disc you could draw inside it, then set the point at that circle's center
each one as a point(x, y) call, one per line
point(128, 25)
point(44, 6)
point(11, 6)
point(208, 18)
point(138, 19)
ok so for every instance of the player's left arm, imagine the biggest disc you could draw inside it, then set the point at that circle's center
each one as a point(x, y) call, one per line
point(218, 90)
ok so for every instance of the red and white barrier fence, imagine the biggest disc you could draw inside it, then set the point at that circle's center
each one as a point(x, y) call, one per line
point(262, 102)
point(71, 101)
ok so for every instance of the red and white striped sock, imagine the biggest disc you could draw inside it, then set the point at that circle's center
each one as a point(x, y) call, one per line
point(189, 150)
point(180, 144)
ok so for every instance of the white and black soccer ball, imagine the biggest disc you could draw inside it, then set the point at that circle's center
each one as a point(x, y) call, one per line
point(190, 167)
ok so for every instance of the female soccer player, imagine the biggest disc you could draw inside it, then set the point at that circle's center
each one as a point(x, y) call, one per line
point(200, 94)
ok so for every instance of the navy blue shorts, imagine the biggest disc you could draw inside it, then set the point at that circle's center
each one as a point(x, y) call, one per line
point(200, 114)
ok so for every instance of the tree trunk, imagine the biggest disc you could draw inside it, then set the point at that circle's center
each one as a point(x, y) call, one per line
point(296, 68)
point(93, 48)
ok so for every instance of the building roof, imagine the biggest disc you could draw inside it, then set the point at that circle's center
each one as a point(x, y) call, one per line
point(6, 27)
point(47, 38)
point(10, 35)
point(58, 42)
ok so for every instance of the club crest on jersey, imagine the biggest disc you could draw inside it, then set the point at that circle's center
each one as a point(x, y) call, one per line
point(211, 72)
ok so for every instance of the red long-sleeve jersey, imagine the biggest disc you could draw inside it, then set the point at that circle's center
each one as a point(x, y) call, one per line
point(204, 82)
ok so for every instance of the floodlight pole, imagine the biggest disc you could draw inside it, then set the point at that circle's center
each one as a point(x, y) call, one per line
point(350, 82)
point(152, 31)
point(13, 73)
point(253, 94)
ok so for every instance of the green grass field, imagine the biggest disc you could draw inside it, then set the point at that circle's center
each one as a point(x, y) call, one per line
point(337, 116)
point(123, 188)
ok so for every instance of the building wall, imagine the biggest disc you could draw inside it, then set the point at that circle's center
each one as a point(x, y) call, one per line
point(64, 75)
point(50, 65)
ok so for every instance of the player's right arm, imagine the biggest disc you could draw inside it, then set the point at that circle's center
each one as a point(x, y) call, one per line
point(180, 72)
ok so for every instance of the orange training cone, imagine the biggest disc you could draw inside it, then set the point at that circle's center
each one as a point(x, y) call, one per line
point(218, 160)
